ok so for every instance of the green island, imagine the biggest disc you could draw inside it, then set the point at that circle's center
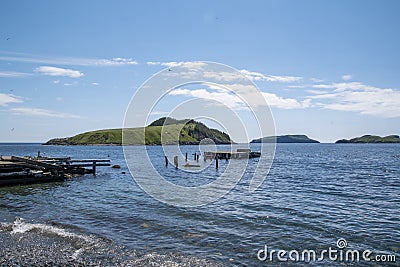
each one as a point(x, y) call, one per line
point(162, 131)
point(370, 139)
point(295, 138)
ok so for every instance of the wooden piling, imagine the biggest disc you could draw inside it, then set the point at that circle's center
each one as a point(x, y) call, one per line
point(216, 162)
point(166, 161)
point(176, 162)
point(186, 157)
point(94, 168)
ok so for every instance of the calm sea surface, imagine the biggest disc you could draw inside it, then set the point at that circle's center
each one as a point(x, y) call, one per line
point(313, 195)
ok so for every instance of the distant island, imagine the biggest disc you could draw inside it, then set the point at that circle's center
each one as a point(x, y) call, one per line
point(298, 138)
point(371, 139)
point(184, 132)
point(189, 132)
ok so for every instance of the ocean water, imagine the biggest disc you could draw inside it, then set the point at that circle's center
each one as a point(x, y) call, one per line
point(313, 195)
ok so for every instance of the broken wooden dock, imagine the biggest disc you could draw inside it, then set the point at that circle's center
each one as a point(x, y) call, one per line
point(15, 170)
point(240, 153)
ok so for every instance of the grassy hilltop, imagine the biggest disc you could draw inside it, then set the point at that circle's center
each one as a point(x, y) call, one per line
point(170, 130)
point(371, 139)
point(293, 138)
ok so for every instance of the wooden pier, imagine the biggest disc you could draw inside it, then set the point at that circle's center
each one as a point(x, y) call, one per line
point(238, 154)
point(15, 170)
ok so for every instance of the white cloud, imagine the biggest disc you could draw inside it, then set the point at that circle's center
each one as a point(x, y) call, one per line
point(95, 84)
point(54, 71)
point(220, 76)
point(43, 113)
point(224, 97)
point(256, 76)
point(56, 81)
point(194, 70)
point(224, 76)
point(13, 74)
point(6, 99)
point(315, 80)
point(22, 57)
point(316, 92)
point(361, 98)
point(296, 86)
point(117, 61)
point(157, 113)
point(347, 77)
point(69, 84)
point(171, 64)
point(346, 86)
point(235, 102)
point(285, 103)
point(165, 64)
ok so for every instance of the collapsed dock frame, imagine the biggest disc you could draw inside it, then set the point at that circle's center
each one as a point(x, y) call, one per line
point(16, 170)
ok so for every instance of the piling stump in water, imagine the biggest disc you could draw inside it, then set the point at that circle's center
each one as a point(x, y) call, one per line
point(176, 162)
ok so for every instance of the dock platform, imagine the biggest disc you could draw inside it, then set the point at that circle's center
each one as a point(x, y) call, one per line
point(238, 154)
point(16, 170)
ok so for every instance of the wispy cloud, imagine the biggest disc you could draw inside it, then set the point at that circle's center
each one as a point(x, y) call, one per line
point(276, 101)
point(70, 84)
point(158, 113)
point(224, 76)
point(346, 86)
point(54, 71)
point(296, 86)
point(316, 92)
point(220, 76)
point(233, 101)
point(95, 84)
point(43, 113)
point(257, 76)
point(28, 58)
point(230, 100)
point(316, 80)
point(170, 64)
point(118, 61)
point(6, 99)
point(347, 77)
point(359, 97)
point(13, 74)
point(165, 64)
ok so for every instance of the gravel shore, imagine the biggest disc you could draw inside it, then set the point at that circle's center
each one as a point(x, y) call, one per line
point(43, 246)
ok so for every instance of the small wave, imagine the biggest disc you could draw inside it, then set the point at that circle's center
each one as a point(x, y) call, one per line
point(41, 247)
point(20, 226)
point(168, 260)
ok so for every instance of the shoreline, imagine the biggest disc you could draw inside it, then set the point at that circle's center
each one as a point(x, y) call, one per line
point(34, 244)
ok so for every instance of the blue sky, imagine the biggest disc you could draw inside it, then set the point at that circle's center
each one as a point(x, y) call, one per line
point(328, 69)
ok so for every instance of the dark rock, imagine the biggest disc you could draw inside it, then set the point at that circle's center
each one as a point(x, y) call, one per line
point(59, 141)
